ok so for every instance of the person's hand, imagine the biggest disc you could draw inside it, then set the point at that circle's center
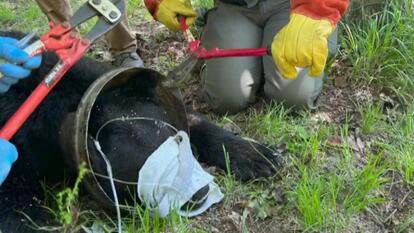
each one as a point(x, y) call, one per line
point(18, 63)
point(168, 12)
point(303, 42)
point(8, 155)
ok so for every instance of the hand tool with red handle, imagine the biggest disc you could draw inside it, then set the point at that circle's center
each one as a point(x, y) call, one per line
point(70, 48)
point(203, 54)
point(178, 75)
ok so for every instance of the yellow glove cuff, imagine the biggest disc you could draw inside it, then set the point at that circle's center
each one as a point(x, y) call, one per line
point(303, 42)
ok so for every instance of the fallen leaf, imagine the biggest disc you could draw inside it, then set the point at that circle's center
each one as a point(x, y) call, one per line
point(341, 82)
point(335, 141)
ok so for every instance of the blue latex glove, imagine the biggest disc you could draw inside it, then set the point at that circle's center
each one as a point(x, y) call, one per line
point(8, 155)
point(23, 63)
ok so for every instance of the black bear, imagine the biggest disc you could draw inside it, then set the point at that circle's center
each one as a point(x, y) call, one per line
point(127, 144)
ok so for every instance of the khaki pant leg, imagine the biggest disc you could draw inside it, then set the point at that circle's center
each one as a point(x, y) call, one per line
point(300, 93)
point(57, 11)
point(230, 84)
point(120, 38)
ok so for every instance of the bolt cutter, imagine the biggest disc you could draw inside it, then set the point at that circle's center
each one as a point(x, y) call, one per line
point(202, 53)
point(196, 53)
point(70, 47)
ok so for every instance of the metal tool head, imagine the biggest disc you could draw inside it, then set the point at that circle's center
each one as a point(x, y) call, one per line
point(107, 9)
point(109, 13)
point(21, 44)
point(178, 75)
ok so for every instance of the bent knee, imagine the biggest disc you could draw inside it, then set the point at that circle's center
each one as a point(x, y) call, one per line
point(306, 102)
point(230, 101)
point(302, 93)
point(231, 90)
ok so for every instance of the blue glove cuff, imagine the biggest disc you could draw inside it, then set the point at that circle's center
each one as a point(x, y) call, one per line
point(8, 155)
point(8, 152)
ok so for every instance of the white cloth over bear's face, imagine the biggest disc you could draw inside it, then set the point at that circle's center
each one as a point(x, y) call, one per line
point(171, 176)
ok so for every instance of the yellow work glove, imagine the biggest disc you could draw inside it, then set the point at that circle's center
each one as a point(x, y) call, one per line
point(169, 11)
point(303, 42)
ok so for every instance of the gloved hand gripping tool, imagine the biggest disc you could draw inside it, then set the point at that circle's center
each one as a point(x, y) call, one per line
point(70, 47)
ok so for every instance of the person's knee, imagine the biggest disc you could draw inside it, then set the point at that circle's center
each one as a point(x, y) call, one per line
point(231, 90)
point(231, 101)
point(299, 102)
point(302, 93)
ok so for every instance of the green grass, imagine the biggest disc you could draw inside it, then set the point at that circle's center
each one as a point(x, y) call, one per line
point(275, 124)
point(67, 210)
point(203, 3)
point(142, 221)
point(6, 14)
point(67, 198)
point(402, 149)
point(134, 7)
point(380, 49)
point(325, 189)
point(405, 162)
point(11, 16)
point(371, 118)
point(363, 183)
point(228, 181)
point(327, 200)
point(325, 197)
point(309, 198)
point(71, 216)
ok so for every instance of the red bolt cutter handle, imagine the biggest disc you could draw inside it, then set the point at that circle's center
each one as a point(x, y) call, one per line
point(221, 53)
point(56, 38)
point(35, 49)
point(204, 54)
point(67, 59)
point(70, 48)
